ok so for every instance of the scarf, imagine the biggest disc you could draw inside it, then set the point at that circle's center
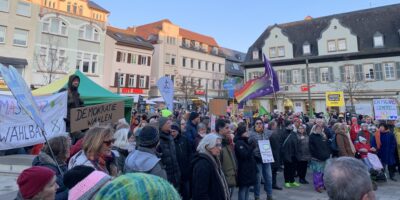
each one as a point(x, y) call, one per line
point(218, 168)
point(378, 139)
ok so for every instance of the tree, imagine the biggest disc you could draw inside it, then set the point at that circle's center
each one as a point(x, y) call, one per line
point(186, 87)
point(51, 60)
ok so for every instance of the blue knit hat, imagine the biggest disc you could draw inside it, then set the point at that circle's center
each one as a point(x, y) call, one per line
point(138, 186)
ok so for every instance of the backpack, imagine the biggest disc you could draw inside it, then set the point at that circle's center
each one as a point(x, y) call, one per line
point(332, 143)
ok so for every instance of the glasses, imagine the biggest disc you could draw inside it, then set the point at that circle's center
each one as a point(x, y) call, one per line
point(109, 142)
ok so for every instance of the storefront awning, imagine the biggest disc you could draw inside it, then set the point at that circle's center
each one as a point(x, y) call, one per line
point(15, 62)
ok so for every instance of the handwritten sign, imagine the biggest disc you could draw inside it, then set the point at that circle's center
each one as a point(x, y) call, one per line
point(166, 88)
point(248, 111)
point(85, 117)
point(17, 129)
point(266, 151)
point(218, 107)
point(385, 109)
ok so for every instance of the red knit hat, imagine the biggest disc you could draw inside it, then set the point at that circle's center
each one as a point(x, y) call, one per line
point(32, 180)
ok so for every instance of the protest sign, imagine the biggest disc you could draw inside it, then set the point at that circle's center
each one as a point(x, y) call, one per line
point(218, 107)
point(213, 118)
point(364, 109)
point(334, 99)
point(248, 111)
point(17, 129)
point(166, 87)
point(385, 109)
point(85, 117)
point(266, 151)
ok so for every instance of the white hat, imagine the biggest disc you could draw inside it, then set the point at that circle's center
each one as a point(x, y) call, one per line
point(361, 138)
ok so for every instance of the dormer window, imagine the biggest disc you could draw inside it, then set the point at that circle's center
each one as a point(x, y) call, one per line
point(306, 48)
point(378, 39)
point(255, 55)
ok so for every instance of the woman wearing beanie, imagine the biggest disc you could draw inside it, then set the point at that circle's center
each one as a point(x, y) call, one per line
point(145, 158)
point(60, 146)
point(138, 186)
point(87, 188)
point(37, 183)
point(247, 166)
point(96, 151)
point(208, 181)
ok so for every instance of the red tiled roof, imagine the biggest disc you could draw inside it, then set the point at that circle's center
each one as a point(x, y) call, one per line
point(154, 28)
point(118, 30)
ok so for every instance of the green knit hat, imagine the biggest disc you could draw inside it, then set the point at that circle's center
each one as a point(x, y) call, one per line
point(138, 186)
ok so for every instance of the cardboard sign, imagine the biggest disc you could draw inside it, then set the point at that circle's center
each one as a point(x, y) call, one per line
point(334, 99)
point(385, 109)
point(218, 107)
point(85, 117)
point(266, 151)
point(364, 109)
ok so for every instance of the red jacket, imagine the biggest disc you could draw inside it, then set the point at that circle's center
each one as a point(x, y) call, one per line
point(360, 145)
point(355, 128)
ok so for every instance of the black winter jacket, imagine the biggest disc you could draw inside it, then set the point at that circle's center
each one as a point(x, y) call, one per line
point(184, 156)
point(168, 158)
point(319, 147)
point(247, 166)
point(290, 148)
point(276, 141)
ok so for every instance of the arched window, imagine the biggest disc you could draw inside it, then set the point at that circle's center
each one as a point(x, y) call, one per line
point(55, 25)
point(89, 32)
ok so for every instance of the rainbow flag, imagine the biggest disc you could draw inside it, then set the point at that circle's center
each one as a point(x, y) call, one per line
point(261, 86)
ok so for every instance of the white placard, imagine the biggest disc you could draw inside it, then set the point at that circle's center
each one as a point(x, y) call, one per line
point(266, 151)
point(385, 109)
point(364, 109)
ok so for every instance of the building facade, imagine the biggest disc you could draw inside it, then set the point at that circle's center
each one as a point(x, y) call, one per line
point(128, 59)
point(356, 52)
point(17, 35)
point(188, 58)
point(70, 35)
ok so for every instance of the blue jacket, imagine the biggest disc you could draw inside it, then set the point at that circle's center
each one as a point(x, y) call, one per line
point(191, 132)
point(387, 151)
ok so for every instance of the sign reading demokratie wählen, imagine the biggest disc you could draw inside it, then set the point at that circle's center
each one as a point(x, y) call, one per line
point(85, 117)
point(17, 129)
point(385, 109)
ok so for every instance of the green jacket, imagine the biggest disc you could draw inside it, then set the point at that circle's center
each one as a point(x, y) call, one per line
point(228, 162)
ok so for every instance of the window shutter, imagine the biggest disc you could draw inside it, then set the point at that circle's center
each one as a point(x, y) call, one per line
point(140, 60)
point(331, 77)
point(116, 80)
point(127, 80)
point(288, 76)
point(378, 72)
point(303, 76)
point(316, 73)
point(342, 73)
point(359, 73)
point(147, 82)
point(398, 70)
point(148, 61)
point(137, 81)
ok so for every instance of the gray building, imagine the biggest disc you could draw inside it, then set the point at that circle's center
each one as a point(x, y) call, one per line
point(356, 52)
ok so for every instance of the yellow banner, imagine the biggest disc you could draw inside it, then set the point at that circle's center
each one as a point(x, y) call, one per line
point(334, 99)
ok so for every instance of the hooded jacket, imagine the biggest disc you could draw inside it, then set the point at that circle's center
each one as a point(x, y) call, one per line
point(74, 99)
point(144, 160)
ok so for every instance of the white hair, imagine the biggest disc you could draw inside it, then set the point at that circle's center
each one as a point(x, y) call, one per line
point(208, 142)
point(121, 138)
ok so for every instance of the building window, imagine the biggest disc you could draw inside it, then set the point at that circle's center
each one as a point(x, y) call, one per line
point(324, 73)
point(331, 45)
point(281, 51)
point(219, 68)
point(282, 76)
point(24, 9)
point(213, 67)
point(255, 55)
point(133, 59)
point(191, 63)
point(378, 40)
point(214, 50)
point(306, 48)
point(119, 56)
point(349, 73)
point(143, 60)
point(342, 46)
point(132, 80)
point(142, 82)
point(4, 5)
point(121, 79)
point(173, 58)
point(20, 37)
point(69, 7)
point(369, 72)
point(207, 66)
point(312, 75)
point(75, 8)
point(52, 58)
point(55, 26)
point(183, 61)
point(87, 62)
point(272, 52)
point(389, 71)
point(2, 34)
point(89, 32)
point(296, 76)
point(171, 40)
point(80, 10)
point(167, 58)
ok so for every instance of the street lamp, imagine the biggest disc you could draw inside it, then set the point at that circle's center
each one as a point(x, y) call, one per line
point(119, 81)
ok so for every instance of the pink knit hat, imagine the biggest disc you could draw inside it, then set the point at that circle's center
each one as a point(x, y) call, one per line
point(88, 187)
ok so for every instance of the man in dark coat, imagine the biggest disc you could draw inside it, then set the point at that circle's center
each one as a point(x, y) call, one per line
point(191, 128)
point(168, 152)
point(276, 141)
point(184, 156)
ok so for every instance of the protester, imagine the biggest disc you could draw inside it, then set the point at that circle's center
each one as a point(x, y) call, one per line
point(247, 166)
point(184, 156)
point(96, 151)
point(75, 175)
point(145, 159)
point(385, 144)
point(121, 144)
point(290, 156)
point(276, 141)
point(363, 148)
point(364, 132)
point(60, 146)
point(263, 169)
point(201, 132)
point(320, 152)
point(343, 142)
point(137, 186)
point(304, 154)
point(37, 183)
point(354, 129)
point(348, 179)
point(87, 188)
point(208, 179)
point(168, 152)
point(191, 127)
point(371, 126)
point(74, 101)
point(227, 157)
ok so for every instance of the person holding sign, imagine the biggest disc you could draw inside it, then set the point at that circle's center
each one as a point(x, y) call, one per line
point(259, 134)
